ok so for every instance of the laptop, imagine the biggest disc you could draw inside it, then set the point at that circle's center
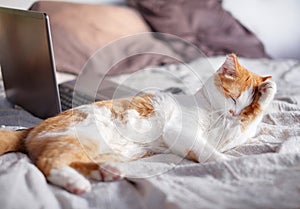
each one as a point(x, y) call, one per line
point(28, 68)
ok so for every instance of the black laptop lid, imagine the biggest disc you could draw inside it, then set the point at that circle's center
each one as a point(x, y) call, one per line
point(27, 64)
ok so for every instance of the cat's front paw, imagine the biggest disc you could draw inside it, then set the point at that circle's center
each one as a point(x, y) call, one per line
point(267, 92)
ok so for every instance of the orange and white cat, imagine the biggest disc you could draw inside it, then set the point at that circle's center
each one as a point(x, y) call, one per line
point(80, 143)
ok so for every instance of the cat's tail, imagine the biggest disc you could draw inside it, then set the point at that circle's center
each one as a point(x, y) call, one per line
point(13, 141)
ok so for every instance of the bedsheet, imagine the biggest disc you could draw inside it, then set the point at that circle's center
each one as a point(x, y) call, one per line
point(263, 174)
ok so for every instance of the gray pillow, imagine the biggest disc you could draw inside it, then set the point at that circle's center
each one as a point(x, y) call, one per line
point(202, 22)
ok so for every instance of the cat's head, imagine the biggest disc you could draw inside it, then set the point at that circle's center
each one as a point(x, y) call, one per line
point(237, 84)
point(233, 79)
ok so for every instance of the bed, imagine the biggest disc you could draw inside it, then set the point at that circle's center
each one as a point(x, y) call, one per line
point(263, 174)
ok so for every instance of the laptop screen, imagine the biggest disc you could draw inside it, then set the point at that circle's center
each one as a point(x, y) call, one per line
point(26, 59)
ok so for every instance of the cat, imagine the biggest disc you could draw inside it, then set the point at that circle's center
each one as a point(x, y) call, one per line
point(80, 143)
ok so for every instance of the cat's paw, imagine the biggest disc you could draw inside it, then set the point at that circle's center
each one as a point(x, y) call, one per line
point(267, 92)
point(69, 179)
point(78, 186)
point(106, 172)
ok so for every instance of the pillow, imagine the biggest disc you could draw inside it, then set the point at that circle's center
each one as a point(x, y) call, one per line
point(79, 30)
point(202, 22)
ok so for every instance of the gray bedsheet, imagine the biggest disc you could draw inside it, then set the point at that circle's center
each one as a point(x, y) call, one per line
point(264, 174)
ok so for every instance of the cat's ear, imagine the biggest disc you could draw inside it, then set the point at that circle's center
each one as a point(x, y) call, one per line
point(266, 78)
point(229, 67)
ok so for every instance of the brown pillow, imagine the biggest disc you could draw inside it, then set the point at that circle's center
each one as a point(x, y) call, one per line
point(202, 22)
point(79, 30)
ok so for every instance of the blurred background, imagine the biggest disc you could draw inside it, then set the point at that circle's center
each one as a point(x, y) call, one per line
point(274, 22)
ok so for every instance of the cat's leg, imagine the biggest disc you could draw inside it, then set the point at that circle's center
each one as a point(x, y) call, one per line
point(253, 113)
point(96, 171)
point(69, 179)
point(73, 177)
point(197, 149)
point(99, 168)
point(56, 168)
point(218, 156)
point(57, 158)
point(267, 92)
point(192, 146)
point(207, 154)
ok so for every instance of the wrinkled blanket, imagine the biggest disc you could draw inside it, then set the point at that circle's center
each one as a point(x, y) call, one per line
point(264, 173)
